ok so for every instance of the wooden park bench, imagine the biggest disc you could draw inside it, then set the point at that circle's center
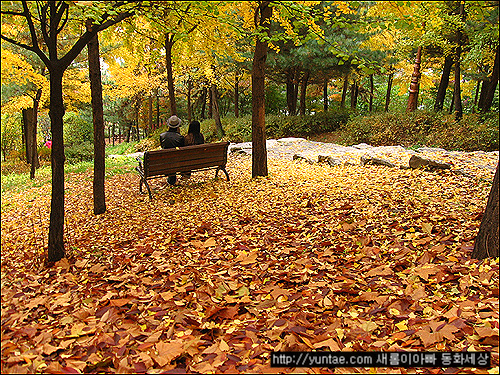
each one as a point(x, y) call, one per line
point(161, 163)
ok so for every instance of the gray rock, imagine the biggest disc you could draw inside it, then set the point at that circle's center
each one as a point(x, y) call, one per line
point(303, 157)
point(369, 159)
point(330, 160)
point(418, 162)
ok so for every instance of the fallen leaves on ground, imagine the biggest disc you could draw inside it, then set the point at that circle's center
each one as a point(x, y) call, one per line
point(212, 276)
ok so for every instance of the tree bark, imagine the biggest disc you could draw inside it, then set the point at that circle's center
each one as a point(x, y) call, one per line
point(486, 244)
point(98, 121)
point(215, 111)
point(415, 83)
point(489, 87)
point(236, 96)
point(28, 133)
point(325, 95)
point(370, 104)
point(290, 92)
point(189, 105)
point(344, 90)
point(169, 43)
point(35, 163)
point(388, 93)
point(354, 94)
point(303, 92)
point(259, 151)
point(56, 112)
point(203, 102)
point(443, 84)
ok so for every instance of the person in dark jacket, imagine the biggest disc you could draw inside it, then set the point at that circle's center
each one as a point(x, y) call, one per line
point(194, 137)
point(172, 139)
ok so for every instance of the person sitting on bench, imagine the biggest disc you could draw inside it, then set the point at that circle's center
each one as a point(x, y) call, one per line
point(172, 139)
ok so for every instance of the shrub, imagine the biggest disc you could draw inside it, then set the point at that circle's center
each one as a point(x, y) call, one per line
point(76, 129)
point(79, 152)
point(424, 128)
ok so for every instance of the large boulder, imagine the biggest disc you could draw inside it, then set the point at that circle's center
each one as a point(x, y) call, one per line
point(421, 162)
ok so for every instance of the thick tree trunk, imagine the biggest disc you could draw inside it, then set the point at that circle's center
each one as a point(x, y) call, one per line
point(486, 244)
point(388, 93)
point(303, 92)
point(259, 151)
point(443, 84)
point(354, 94)
point(415, 83)
point(98, 120)
point(169, 43)
point(489, 87)
point(215, 111)
point(56, 112)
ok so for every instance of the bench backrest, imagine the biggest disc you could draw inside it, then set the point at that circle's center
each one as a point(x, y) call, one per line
point(184, 159)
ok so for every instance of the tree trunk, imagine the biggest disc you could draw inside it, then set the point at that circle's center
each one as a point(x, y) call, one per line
point(169, 42)
point(354, 94)
point(259, 151)
point(98, 121)
point(388, 94)
point(28, 133)
point(303, 92)
point(443, 84)
point(486, 244)
point(55, 249)
point(236, 96)
point(344, 90)
point(35, 163)
point(290, 89)
point(189, 106)
point(457, 96)
point(488, 92)
point(370, 106)
point(150, 112)
point(325, 96)
point(415, 83)
point(203, 102)
point(215, 111)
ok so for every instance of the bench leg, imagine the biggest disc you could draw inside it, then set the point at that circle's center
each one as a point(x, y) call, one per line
point(223, 170)
point(144, 181)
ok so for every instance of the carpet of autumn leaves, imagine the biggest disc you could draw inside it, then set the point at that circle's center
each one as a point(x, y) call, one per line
point(212, 276)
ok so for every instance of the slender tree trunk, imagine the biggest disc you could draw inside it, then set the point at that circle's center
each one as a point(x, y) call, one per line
point(203, 102)
point(457, 96)
point(169, 43)
point(370, 106)
point(35, 163)
point(56, 250)
point(486, 244)
point(296, 85)
point(489, 87)
point(303, 91)
point(344, 90)
point(476, 96)
point(290, 88)
point(189, 109)
point(28, 133)
point(388, 94)
point(443, 84)
point(157, 124)
point(150, 112)
point(98, 120)
point(210, 103)
point(415, 83)
point(259, 151)
point(215, 111)
point(325, 95)
point(236, 96)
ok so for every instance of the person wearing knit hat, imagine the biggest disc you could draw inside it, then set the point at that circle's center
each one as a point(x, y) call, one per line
point(172, 139)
